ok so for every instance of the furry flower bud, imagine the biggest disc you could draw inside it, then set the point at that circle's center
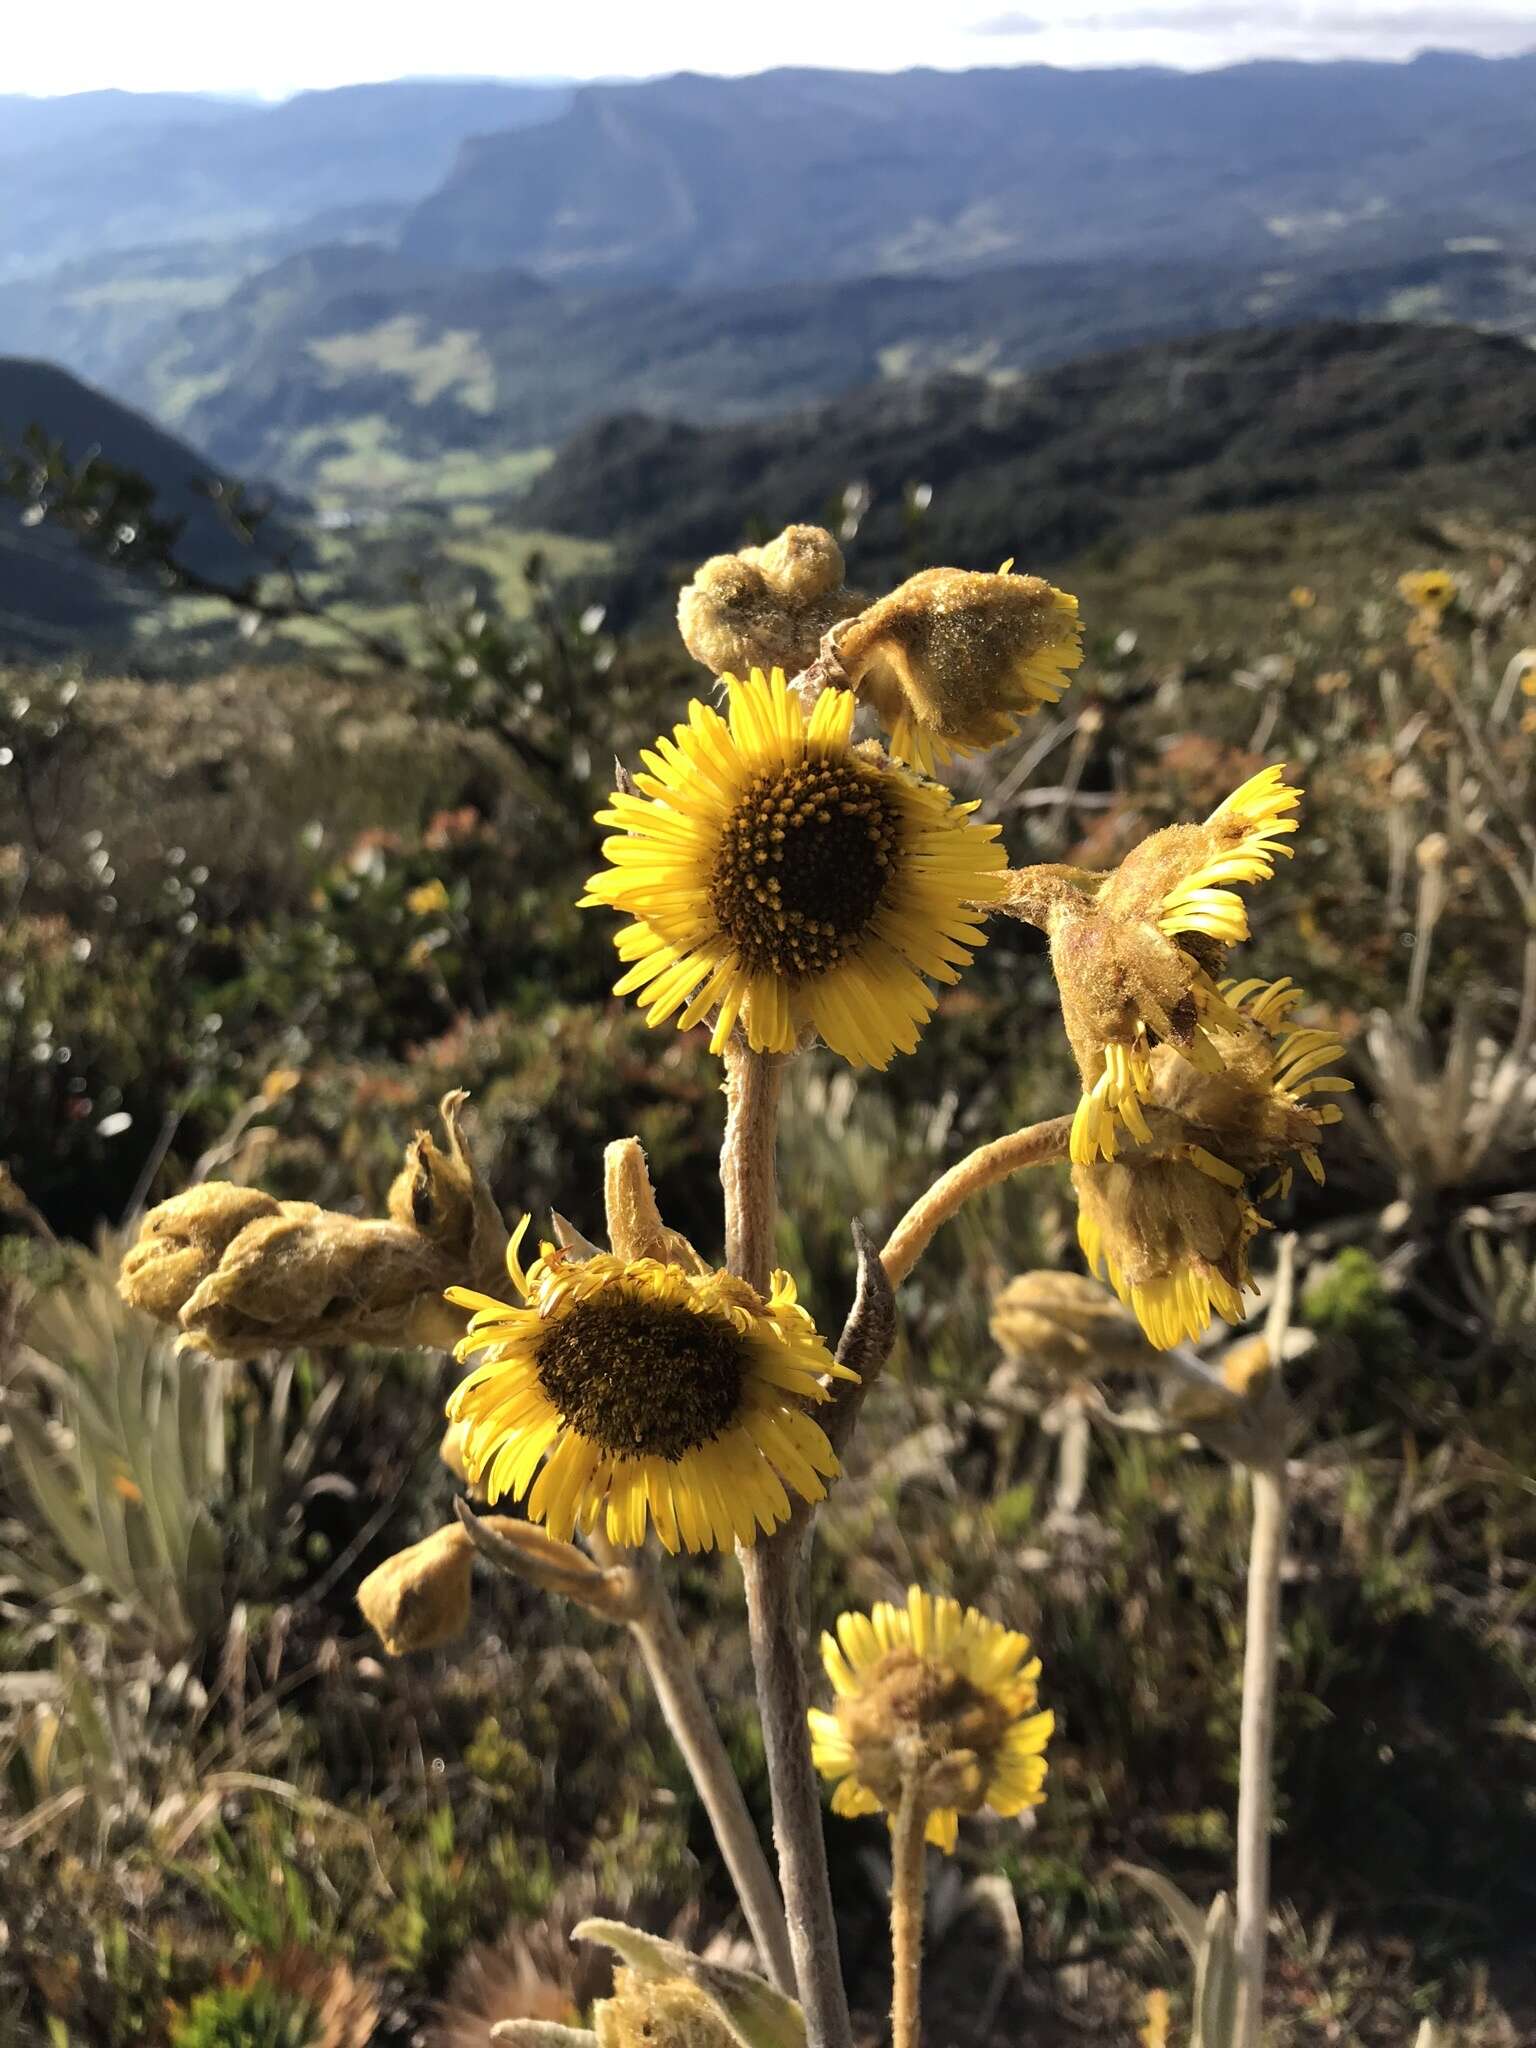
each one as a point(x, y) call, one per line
point(181, 1242)
point(240, 1273)
point(953, 659)
point(419, 1600)
point(766, 607)
point(1061, 1327)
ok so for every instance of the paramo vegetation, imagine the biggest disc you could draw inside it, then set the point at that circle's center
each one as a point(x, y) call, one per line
point(848, 1188)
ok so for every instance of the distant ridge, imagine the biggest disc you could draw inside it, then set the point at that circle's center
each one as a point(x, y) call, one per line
point(1093, 455)
point(798, 174)
point(51, 594)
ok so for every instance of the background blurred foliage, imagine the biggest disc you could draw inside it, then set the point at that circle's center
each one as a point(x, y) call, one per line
point(255, 925)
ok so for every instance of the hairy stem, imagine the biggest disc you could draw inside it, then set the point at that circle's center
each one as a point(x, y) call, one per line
point(674, 1678)
point(1255, 1790)
point(770, 1570)
point(909, 1873)
point(754, 1081)
point(1036, 1145)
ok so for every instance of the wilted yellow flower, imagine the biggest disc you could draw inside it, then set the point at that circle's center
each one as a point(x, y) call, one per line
point(766, 607)
point(1136, 952)
point(1170, 1227)
point(938, 1691)
point(645, 1391)
point(953, 659)
point(427, 899)
point(788, 882)
point(1428, 590)
point(280, 1082)
point(1303, 597)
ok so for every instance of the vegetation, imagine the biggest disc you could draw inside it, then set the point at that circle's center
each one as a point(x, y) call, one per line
point(226, 1819)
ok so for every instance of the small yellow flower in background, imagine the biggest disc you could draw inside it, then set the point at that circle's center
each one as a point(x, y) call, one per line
point(787, 882)
point(280, 1082)
point(953, 659)
point(934, 1688)
point(427, 899)
point(1136, 952)
point(1170, 1230)
point(1303, 598)
point(1159, 2018)
point(646, 1392)
point(1427, 590)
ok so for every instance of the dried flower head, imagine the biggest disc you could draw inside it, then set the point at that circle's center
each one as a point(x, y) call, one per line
point(239, 1273)
point(1137, 952)
point(1427, 590)
point(1060, 1327)
point(419, 1600)
point(646, 1391)
point(766, 607)
point(953, 659)
point(938, 1692)
point(786, 881)
point(1170, 1223)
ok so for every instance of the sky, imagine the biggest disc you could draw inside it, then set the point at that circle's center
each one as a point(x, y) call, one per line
point(284, 46)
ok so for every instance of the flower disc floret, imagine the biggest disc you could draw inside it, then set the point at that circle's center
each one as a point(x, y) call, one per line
point(938, 1690)
point(786, 882)
point(632, 1390)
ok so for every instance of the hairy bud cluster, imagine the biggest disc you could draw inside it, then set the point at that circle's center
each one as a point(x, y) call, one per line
point(239, 1273)
point(766, 607)
point(1057, 1327)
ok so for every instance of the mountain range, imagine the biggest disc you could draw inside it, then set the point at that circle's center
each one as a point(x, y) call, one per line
point(1087, 460)
point(89, 173)
point(798, 174)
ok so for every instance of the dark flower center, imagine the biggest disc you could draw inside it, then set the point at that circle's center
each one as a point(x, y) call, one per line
point(641, 1378)
point(804, 861)
point(906, 1703)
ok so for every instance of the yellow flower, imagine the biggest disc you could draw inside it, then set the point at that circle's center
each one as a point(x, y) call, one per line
point(786, 881)
point(953, 659)
point(427, 899)
point(933, 1688)
point(644, 1390)
point(1428, 590)
point(1170, 1227)
point(1303, 597)
point(1136, 952)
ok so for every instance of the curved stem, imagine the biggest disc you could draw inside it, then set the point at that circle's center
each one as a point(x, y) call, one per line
point(909, 1874)
point(770, 1570)
point(1255, 1788)
point(1042, 1144)
point(674, 1677)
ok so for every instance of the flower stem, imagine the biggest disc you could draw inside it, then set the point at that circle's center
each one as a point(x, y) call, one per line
point(1036, 1145)
point(669, 1665)
point(770, 1570)
point(909, 1873)
point(1255, 1790)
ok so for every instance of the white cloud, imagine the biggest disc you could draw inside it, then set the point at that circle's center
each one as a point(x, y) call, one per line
point(287, 44)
